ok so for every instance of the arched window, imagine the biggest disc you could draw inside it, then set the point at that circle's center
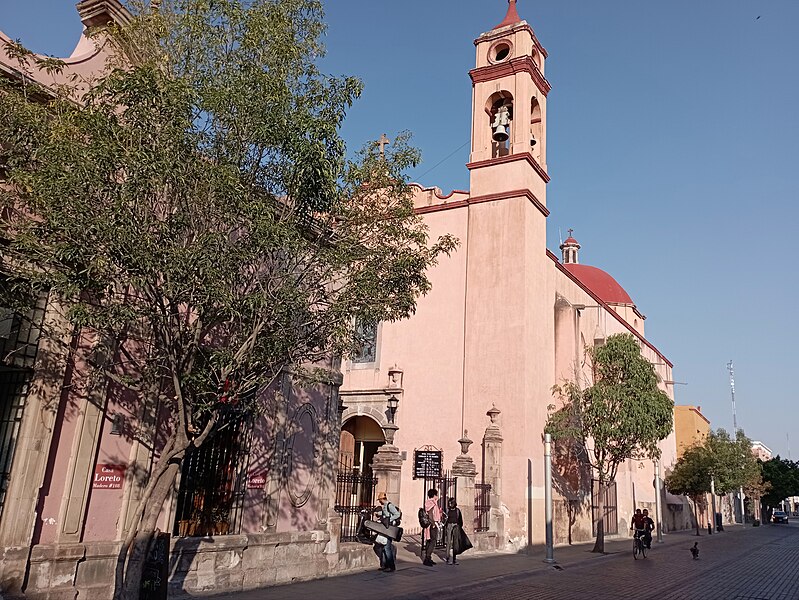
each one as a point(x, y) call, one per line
point(500, 102)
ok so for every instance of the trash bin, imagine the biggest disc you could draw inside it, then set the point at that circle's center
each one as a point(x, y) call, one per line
point(719, 526)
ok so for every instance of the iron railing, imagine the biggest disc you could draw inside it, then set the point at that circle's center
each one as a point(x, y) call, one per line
point(13, 391)
point(355, 491)
point(212, 484)
point(482, 506)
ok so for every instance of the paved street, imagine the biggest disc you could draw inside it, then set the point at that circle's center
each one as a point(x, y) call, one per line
point(751, 563)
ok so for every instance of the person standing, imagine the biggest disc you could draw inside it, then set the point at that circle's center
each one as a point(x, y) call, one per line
point(384, 545)
point(431, 532)
point(452, 530)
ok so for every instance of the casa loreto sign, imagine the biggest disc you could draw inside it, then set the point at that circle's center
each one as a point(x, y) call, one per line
point(108, 477)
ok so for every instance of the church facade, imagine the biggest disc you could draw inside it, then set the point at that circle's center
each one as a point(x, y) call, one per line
point(505, 321)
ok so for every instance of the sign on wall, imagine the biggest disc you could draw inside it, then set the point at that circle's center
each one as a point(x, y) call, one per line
point(256, 481)
point(108, 477)
point(427, 464)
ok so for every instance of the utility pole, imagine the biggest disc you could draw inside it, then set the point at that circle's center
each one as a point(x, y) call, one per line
point(735, 429)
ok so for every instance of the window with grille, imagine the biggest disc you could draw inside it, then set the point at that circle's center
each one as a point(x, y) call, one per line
point(366, 339)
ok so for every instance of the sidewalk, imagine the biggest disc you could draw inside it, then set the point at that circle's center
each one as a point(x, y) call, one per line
point(412, 580)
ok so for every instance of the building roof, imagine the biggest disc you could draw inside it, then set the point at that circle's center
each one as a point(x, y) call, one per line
point(512, 16)
point(600, 282)
point(570, 240)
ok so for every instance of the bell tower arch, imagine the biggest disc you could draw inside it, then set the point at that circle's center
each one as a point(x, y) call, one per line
point(509, 100)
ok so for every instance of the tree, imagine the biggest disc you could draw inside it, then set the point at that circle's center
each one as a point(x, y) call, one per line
point(728, 463)
point(622, 416)
point(733, 465)
point(782, 475)
point(194, 209)
point(690, 476)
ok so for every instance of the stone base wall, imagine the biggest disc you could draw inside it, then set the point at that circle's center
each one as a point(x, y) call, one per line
point(485, 541)
point(197, 565)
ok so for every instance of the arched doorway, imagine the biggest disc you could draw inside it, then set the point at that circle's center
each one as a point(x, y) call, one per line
point(360, 438)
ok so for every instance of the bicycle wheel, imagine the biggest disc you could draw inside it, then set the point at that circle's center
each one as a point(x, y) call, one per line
point(636, 548)
point(643, 549)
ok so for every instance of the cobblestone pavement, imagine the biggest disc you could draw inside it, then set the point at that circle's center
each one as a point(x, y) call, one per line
point(739, 564)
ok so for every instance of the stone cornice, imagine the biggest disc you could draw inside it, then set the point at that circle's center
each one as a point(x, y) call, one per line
point(523, 64)
point(486, 198)
point(510, 158)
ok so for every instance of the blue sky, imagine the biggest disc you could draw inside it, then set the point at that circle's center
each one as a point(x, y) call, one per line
point(673, 142)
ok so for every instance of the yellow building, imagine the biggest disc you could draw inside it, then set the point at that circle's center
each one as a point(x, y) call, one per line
point(691, 427)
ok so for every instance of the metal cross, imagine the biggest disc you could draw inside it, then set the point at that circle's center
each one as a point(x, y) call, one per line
point(383, 142)
point(570, 232)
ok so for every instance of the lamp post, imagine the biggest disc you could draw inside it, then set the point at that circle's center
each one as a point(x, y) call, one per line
point(658, 507)
point(548, 497)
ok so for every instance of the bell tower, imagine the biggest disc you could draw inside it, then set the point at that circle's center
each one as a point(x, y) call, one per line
point(509, 101)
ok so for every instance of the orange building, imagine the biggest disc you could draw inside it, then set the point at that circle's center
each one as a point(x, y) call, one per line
point(691, 427)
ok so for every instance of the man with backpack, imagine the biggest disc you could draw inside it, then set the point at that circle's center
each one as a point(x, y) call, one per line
point(430, 519)
point(384, 545)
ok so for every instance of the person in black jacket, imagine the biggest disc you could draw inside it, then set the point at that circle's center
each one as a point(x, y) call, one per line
point(452, 530)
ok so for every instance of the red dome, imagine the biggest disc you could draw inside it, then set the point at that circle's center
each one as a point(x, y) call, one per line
point(571, 240)
point(599, 282)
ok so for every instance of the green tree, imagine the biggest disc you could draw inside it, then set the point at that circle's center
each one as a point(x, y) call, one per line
point(622, 416)
point(691, 476)
point(194, 209)
point(782, 475)
point(733, 465)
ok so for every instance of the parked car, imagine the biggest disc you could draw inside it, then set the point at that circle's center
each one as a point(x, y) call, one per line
point(779, 516)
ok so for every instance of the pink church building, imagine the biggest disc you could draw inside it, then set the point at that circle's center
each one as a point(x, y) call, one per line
point(505, 321)
point(467, 379)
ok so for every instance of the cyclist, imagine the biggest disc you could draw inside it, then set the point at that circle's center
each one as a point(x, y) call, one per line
point(649, 527)
point(638, 524)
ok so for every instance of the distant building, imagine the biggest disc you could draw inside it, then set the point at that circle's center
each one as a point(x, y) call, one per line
point(691, 427)
point(761, 451)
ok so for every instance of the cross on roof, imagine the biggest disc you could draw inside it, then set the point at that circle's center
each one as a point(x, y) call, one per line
point(570, 232)
point(383, 142)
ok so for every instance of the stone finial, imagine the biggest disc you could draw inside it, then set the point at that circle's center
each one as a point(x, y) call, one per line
point(389, 431)
point(493, 413)
point(465, 442)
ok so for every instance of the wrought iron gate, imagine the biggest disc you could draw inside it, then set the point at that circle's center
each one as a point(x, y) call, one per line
point(482, 506)
point(355, 491)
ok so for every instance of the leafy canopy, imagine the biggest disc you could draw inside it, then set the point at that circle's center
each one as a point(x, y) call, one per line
point(622, 415)
point(782, 475)
point(198, 195)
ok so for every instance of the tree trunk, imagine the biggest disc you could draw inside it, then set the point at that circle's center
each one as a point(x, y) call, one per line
point(599, 545)
point(128, 588)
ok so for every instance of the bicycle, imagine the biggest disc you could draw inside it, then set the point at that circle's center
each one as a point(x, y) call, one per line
point(639, 547)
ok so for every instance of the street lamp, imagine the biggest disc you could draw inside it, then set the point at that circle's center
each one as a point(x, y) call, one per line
point(392, 403)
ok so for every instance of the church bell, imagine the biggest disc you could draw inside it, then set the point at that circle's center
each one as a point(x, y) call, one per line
point(500, 134)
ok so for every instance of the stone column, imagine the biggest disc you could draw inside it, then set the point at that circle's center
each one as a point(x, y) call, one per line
point(464, 471)
point(492, 469)
point(387, 466)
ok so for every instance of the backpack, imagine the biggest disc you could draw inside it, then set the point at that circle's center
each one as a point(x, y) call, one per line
point(424, 518)
point(398, 520)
